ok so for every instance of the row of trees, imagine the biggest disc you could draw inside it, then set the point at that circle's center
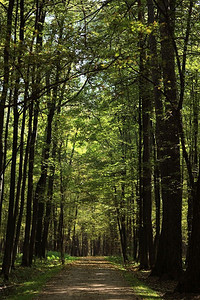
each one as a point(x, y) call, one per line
point(99, 132)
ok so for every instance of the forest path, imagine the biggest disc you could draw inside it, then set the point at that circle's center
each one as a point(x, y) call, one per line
point(88, 278)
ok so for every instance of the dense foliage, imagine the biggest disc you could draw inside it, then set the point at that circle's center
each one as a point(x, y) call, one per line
point(99, 153)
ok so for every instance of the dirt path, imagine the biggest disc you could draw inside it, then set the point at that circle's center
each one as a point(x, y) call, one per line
point(88, 278)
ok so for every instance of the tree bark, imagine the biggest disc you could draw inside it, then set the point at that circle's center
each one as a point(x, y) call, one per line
point(49, 201)
point(157, 143)
point(169, 256)
point(7, 260)
point(2, 181)
point(146, 257)
point(41, 185)
point(31, 152)
point(190, 283)
point(6, 76)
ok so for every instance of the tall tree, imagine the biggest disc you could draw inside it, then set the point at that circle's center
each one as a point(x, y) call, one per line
point(6, 75)
point(169, 256)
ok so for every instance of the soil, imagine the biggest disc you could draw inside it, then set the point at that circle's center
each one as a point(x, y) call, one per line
point(88, 278)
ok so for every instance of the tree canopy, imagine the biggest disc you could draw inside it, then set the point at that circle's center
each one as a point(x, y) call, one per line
point(99, 138)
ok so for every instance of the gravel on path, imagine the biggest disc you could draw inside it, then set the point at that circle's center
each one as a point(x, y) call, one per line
point(88, 278)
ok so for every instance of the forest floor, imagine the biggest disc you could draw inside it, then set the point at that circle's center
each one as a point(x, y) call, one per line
point(96, 278)
point(88, 278)
point(164, 287)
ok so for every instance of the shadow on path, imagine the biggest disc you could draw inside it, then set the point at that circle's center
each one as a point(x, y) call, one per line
point(88, 278)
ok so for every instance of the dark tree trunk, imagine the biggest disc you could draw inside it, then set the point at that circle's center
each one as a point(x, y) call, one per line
point(139, 190)
point(193, 155)
point(75, 243)
point(121, 221)
point(38, 210)
point(2, 182)
point(34, 217)
point(123, 239)
point(30, 150)
point(169, 257)
point(6, 76)
point(190, 283)
point(24, 178)
point(156, 78)
point(55, 225)
point(7, 260)
point(146, 256)
point(11, 221)
point(41, 186)
point(49, 201)
point(156, 176)
point(61, 217)
point(21, 39)
point(18, 227)
point(52, 166)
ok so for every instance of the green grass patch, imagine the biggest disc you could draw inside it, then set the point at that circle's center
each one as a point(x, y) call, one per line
point(25, 283)
point(140, 289)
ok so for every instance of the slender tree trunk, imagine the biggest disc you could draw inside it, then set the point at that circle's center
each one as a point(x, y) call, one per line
point(25, 165)
point(41, 186)
point(21, 39)
point(2, 182)
point(52, 166)
point(17, 198)
point(49, 201)
point(122, 233)
point(61, 218)
point(30, 150)
point(193, 155)
point(6, 76)
point(74, 250)
point(139, 192)
point(121, 222)
point(55, 225)
point(29, 238)
point(7, 260)
point(146, 244)
point(40, 18)
point(156, 176)
point(156, 78)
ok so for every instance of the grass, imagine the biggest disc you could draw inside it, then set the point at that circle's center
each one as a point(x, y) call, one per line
point(25, 283)
point(141, 290)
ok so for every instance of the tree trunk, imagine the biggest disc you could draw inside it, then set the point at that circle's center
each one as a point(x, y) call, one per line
point(40, 18)
point(190, 283)
point(156, 78)
point(169, 257)
point(2, 182)
point(31, 152)
point(61, 218)
point(6, 76)
point(41, 186)
point(49, 201)
point(17, 198)
point(193, 155)
point(156, 176)
point(7, 260)
point(24, 178)
point(146, 243)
